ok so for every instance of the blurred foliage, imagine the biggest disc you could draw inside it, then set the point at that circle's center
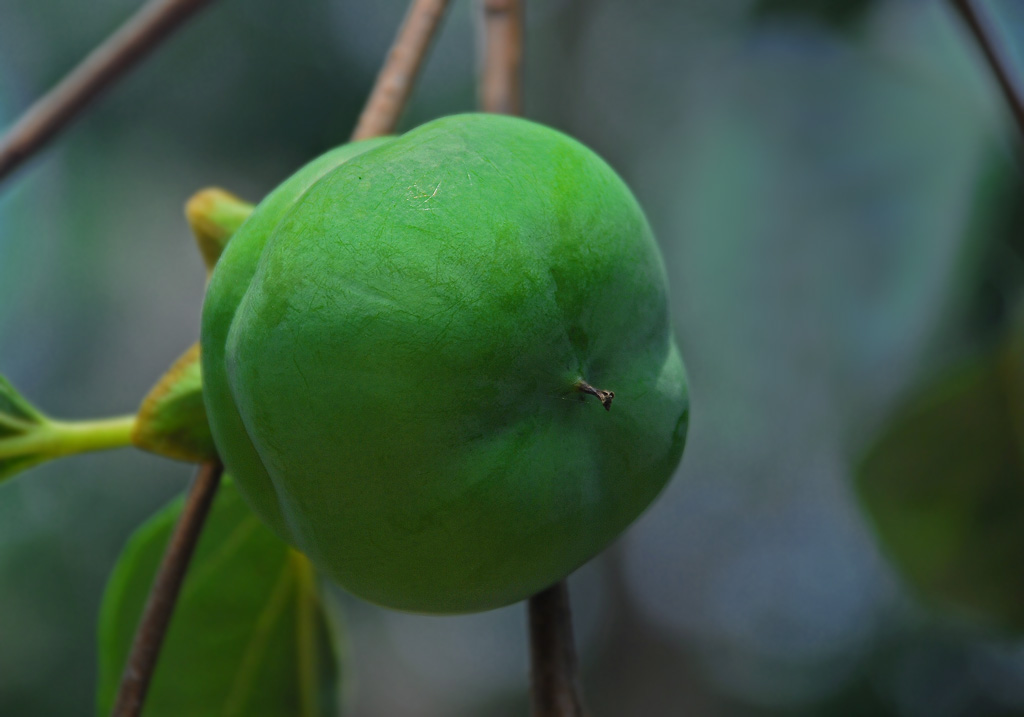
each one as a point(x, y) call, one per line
point(839, 14)
point(943, 483)
point(996, 231)
point(944, 487)
point(250, 634)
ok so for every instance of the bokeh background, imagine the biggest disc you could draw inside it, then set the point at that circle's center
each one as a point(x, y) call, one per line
point(827, 181)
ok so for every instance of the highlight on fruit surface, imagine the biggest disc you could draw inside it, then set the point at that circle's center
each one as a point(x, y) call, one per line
point(401, 351)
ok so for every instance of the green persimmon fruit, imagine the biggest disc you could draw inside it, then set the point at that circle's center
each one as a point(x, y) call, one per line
point(408, 350)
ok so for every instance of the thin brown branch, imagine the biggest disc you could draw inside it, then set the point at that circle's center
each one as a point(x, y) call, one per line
point(164, 594)
point(995, 55)
point(398, 75)
point(141, 34)
point(554, 685)
point(554, 680)
point(501, 71)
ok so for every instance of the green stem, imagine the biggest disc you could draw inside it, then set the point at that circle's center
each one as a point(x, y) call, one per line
point(54, 439)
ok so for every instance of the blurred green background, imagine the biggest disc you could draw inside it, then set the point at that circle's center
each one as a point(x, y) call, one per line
point(835, 189)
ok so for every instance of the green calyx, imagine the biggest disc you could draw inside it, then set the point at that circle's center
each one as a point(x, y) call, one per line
point(214, 216)
point(172, 418)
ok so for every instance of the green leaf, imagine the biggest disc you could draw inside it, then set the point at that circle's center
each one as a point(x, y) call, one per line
point(172, 418)
point(944, 487)
point(250, 634)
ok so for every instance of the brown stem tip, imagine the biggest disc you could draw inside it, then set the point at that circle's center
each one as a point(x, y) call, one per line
point(605, 397)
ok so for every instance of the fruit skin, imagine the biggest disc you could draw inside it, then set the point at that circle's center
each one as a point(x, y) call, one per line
point(392, 362)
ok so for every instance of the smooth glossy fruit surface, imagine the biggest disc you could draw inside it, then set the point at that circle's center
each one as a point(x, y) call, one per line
point(395, 347)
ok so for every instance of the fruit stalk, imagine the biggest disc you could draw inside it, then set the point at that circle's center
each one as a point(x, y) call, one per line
point(55, 439)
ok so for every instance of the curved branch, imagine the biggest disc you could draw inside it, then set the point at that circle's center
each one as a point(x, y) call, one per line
point(141, 34)
point(394, 83)
point(398, 75)
point(996, 56)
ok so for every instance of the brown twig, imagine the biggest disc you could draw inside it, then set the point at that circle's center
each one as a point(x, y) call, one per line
point(385, 104)
point(398, 75)
point(394, 83)
point(554, 681)
point(996, 56)
point(554, 686)
point(501, 71)
point(153, 23)
point(164, 594)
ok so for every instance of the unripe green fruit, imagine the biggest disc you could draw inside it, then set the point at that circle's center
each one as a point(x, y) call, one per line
point(397, 349)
